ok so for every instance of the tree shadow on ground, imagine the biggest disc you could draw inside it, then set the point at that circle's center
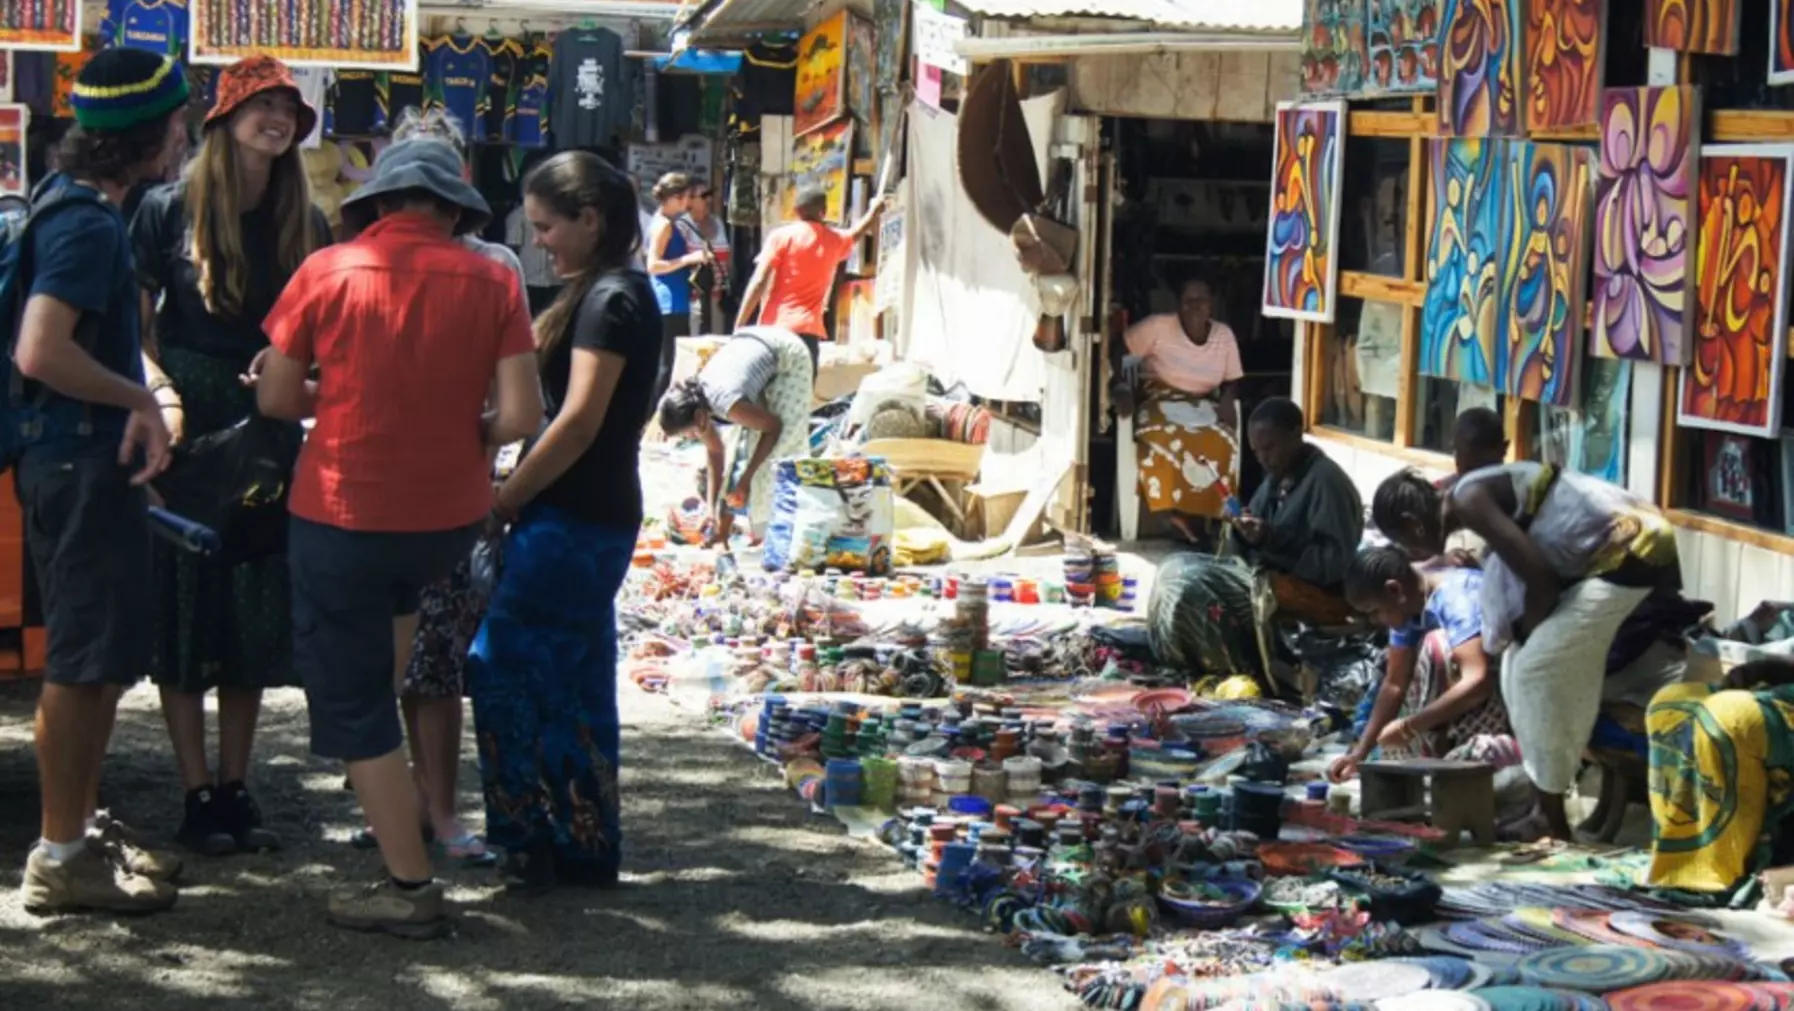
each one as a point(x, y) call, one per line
point(733, 896)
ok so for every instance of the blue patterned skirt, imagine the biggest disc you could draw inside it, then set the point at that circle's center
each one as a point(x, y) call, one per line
point(543, 678)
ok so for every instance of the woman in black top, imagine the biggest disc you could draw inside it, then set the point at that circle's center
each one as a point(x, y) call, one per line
point(543, 671)
point(213, 251)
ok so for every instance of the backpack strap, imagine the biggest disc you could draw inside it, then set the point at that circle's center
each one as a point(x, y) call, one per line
point(43, 205)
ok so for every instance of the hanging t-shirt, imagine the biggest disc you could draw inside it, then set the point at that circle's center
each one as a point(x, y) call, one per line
point(400, 91)
point(506, 57)
point(459, 70)
point(527, 124)
point(68, 67)
point(678, 100)
point(593, 96)
point(159, 26)
point(34, 79)
point(313, 83)
point(354, 106)
point(768, 81)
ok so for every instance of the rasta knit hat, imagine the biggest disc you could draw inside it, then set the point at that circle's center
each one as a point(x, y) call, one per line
point(121, 88)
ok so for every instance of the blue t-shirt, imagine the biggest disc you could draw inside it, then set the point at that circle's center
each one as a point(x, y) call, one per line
point(524, 125)
point(1455, 606)
point(81, 255)
point(673, 291)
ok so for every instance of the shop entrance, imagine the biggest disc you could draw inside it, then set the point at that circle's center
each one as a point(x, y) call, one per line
point(1188, 201)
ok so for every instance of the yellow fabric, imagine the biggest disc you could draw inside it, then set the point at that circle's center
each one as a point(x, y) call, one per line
point(1188, 459)
point(1713, 777)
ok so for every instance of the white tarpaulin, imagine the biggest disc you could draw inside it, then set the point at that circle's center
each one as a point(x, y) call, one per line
point(970, 312)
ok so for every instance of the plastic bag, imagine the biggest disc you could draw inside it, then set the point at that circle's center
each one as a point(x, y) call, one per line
point(484, 565)
point(235, 481)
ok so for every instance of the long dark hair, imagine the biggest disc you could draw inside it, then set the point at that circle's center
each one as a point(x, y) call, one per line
point(568, 183)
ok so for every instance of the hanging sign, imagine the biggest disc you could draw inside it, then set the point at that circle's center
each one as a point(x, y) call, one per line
point(935, 35)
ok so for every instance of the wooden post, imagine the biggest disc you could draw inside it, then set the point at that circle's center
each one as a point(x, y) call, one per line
point(1407, 385)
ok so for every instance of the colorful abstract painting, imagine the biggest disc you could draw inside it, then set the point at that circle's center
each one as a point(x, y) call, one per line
point(1464, 229)
point(822, 158)
point(1333, 53)
point(1479, 68)
point(1645, 224)
point(1564, 43)
point(1302, 238)
point(821, 75)
point(1734, 377)
point(1781, 41)
point(1693, 26)
point(1550, 190)
point(1401, 47)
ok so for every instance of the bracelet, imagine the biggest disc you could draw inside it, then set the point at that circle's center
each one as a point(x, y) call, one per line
point(176, 406)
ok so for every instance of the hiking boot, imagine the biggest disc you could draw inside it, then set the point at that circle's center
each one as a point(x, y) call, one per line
point(385, 908)
point(121, 845)
point(241, 816)
point(529, 872)
point(88, 881)
point(204, 829)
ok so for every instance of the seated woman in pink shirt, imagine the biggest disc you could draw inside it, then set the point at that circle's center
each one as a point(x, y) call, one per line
point(1185, 408)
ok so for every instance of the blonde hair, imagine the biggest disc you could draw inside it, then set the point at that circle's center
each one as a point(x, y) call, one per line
point(434, 123)
point(215, 220)
point(671, 185)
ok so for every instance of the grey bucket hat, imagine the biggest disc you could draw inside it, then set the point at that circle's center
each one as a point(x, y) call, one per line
point(427, 164)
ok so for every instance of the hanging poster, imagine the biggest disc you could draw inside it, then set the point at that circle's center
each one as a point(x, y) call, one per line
point(369, 35)
point(889, 291)
point(34, 24)
point(1733, 381)
point(821, 75)
point(1458, 318)
point(891, 19)
point(1561, 65)
point(935, 35)
point(1402, 47)
point(1333, 47)
point(856, 321)
point(1598, 444)
point(822, 157)
point(1644, 219)
point(1479, 68)
point(862, 88)
point(1781, 41)
point(1728, 485)
point(1302, 239)
point(1693, 26)
point(1379, 349)
point(1549, 189)
point(691, 154)
point(14, 122)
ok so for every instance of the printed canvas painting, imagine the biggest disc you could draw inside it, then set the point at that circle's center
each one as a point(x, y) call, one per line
point(1302, 238)
point(822, 158)
point(1550, 190)
point(1781, 41)
point(1464, 229)
point(1693, 26)
point(1333, 53)
point(1479, 68)
point(1734, 375)
point(1564, 43)
point(1645, 224)
point(862, 56)
point(1402, 47)
point(821, 75)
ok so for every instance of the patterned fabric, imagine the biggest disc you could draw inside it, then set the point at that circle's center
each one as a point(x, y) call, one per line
point(1199, 617)
point(448, 617)
point(1482, 734)
point(1454, 606)
point(1302, 601)
point(217, 626)
point(788, 397)
point(543, 676)
point(1722, 768)
point(739, 370)
point(245, 79)
point(1188, 458)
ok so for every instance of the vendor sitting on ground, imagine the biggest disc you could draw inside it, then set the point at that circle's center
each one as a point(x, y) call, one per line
point(1440, 697)
point(760, 381)
point(1185, 407)
point(1570, 558)
point(1305, 521)
point(1722, 767)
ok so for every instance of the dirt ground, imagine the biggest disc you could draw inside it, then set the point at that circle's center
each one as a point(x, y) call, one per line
point(733, 896)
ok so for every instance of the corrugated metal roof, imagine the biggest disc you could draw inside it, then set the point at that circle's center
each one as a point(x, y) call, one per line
point(1196, 15)
point(712, 17)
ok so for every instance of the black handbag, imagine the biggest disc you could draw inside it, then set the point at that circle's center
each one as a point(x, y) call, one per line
point(236, 481)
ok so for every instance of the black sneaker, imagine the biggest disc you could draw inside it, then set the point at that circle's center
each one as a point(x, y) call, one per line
point(243, 819)
point(204, 829)
point(529, 872)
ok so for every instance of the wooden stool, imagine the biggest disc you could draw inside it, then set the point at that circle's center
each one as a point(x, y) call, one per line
point(1624, 775)
point(1461, 796)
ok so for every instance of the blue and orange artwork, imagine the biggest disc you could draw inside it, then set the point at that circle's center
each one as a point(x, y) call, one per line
point(1464, 239)
point(1550, 192)
point(1302, 237)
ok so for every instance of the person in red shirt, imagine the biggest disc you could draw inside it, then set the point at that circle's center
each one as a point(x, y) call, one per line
point(796, 270)
point(408, 329)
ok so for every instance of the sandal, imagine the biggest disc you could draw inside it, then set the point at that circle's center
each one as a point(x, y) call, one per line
point(468, 850)
point(363, 839)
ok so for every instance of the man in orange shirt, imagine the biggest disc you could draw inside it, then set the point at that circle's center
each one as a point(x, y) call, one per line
point(797, 269)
